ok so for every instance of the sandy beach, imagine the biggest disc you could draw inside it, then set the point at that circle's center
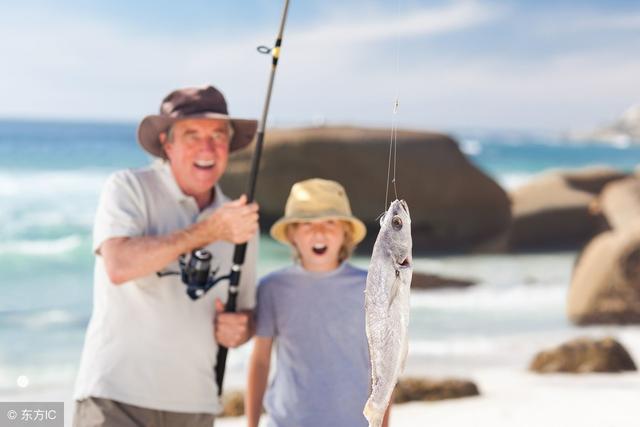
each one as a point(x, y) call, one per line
point(508, 399)
point(510, 395)
point(525, 400)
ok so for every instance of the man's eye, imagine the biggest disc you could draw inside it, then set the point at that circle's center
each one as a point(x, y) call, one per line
point(219, 136)
point(192, 137)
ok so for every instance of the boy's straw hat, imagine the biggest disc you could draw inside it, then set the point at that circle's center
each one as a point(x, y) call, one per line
point(316, 200)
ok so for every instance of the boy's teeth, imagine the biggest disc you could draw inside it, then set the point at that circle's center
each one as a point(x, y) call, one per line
point(319, 246)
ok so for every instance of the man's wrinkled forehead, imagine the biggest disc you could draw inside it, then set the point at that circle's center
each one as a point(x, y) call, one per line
point(204, 124)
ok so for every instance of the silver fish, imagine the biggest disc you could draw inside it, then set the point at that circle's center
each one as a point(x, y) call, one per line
point(387, 307)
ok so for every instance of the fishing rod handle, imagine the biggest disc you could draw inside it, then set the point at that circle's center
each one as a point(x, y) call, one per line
point(221, 364)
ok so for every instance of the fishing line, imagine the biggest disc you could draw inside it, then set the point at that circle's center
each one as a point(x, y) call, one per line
point(393, 143)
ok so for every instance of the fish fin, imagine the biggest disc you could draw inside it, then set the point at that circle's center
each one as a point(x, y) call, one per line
point(395, 289)
point(373, 414)
point(403, 357)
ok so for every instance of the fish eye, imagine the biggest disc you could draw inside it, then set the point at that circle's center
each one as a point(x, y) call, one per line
point(396, 222)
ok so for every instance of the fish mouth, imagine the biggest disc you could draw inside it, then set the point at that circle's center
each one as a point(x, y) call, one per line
point(406, 262)
point(404, 206)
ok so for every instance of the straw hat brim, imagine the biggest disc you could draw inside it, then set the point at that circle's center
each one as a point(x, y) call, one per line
point(152, 126)
point(279, 228)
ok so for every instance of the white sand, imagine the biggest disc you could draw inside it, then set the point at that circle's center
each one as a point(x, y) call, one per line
point(511, 399)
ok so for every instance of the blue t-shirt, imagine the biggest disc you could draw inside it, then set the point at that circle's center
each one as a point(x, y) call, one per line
point(317, 321)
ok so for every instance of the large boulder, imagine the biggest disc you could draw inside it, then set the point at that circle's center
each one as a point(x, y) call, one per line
point(592, 179)
point(620, 202)
point(605, 287)
point(424, 389)
point(556, 209)
point(548, 212)
point(584, 355)
point(453, 204)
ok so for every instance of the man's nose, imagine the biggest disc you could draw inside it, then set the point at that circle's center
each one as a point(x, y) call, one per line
point(208, 143)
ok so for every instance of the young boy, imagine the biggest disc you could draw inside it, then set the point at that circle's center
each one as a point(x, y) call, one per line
point(314, 312)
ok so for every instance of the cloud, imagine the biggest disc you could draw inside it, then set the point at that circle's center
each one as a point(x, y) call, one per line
point(66, 66)
point(422, 22)
point(620, 22)
point(590, 22)
point(570, 91)
point(339, 69)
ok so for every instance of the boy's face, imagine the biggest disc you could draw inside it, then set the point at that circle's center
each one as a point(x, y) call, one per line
point(318, 243)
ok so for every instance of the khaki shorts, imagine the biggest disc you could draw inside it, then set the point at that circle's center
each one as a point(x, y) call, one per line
point(97, 412)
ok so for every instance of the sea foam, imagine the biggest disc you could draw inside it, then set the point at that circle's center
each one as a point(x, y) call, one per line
point(41, 247)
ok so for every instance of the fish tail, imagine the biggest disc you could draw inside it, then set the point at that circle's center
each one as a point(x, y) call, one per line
point(373, 414)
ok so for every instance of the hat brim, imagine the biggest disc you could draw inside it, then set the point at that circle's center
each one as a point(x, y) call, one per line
point(152, 126)
point(279, 228)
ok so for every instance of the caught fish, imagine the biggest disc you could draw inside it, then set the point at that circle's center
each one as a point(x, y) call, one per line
point(387, 307)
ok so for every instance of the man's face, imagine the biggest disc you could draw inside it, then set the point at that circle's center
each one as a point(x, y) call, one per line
point(198, 151)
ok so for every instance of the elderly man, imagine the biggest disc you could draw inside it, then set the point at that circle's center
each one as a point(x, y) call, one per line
point(150, 350)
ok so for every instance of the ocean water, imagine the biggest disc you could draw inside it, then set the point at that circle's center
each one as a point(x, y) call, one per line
point(50, 178)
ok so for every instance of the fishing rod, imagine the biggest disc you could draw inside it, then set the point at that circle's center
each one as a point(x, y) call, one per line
point(240, 250)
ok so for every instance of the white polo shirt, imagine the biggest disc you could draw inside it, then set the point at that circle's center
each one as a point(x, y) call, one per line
point(148, 344)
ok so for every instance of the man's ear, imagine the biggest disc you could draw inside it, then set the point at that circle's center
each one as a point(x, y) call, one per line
point(163, 143)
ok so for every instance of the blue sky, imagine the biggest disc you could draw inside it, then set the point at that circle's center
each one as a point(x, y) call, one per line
point(546, 65)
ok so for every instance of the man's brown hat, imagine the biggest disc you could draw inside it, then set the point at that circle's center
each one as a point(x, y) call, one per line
point(192, 103)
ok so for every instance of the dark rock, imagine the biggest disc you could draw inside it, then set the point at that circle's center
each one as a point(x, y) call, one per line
point(584, 355)
point(422, 389)
point(422, 281)
point(453, 204)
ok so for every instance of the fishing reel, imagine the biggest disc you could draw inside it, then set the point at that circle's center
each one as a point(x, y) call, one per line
point(196, 273)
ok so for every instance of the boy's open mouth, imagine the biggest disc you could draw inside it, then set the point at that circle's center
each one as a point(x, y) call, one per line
point(319, 249)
